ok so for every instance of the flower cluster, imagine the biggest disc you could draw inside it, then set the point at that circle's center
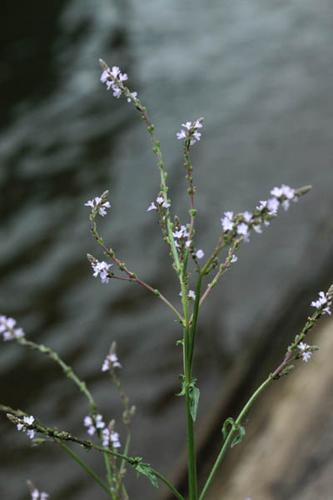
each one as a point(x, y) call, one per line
point(108, 435)
point(190, 131)
point(181, 235)
point(191, 294)
point(101, 269)
point(23, 425)
point(241, 224)
point(323, 304)
point(159, 202)
point(113, 79)
point(111, 361)
point(8, 329)
point(92, 424)
point(38, 495)
point(98, 204)
point(305, 351)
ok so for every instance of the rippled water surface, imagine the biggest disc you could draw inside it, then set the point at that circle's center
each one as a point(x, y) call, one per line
point(261, 75)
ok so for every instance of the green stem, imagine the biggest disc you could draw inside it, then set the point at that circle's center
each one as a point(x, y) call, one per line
point(108, 472)
point(85, 467)
point(229, 438)
point(194, 320)
point(192, 470)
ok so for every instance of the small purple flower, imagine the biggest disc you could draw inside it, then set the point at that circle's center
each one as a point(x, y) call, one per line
point(101, 269)
point(227, 222)
point(199, 254)
point(305, 351)
point(39, 495)
point(190, 131)
point(8, 329)
point(323, 303)
point(98, 204)
point(113, 79)
point(23, 425)
point(111, 361)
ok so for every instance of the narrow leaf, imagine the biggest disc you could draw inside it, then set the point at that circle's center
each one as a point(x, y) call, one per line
point(194, 401)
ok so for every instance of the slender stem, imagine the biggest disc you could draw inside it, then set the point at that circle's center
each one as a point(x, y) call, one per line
point(276, 374)
point(131, 275)
point(194, 319)
point(192, 471)
point(85, 467)
point(108, 472)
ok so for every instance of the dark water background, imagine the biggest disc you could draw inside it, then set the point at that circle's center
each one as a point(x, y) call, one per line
point(261, 75)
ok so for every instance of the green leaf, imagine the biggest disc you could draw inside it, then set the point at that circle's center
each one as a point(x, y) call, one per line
point(231, 426)
point(145, 470)
point(194, 394)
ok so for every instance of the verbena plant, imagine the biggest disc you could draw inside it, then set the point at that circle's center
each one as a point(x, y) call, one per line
point(197, 276)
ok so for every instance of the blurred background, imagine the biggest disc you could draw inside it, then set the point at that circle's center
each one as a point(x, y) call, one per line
point(261, 75)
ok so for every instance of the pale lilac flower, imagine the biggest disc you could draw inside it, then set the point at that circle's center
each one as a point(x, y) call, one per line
point(115, 440)
point(111, 361)
point(199, 254)
point(190, 294)
point(243, 229)
point(23, 424)
point(284, 195)
point(113, 79)
point(39, 495)
point(323, 303)
point(93, 423)
point(182, 232)
point(190, 131)
point(101, 269)
point(226, 221)
point(234, 259)
point(247, 216)
point(305, 351)
point(110, 437)
point(257, 228)
point(277, 192)
point(188, 243)
point(181, 135)
point(273, 206)
point(152, 206)
point(98, 204)
point(8, 329)
point(99, 423)
point(161, 201)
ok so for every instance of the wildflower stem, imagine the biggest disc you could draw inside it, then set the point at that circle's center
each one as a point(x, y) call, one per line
point(231, 435)
point(131, 275)
point(85, 467)
point(192, 470)
point(194, 319)
point(63, 436)
point(223, 267)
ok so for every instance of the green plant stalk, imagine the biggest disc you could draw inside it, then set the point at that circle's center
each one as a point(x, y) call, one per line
point(229, 438)
point(85, 467)
point(192, 470)
point(108, 473)
point(194, 319)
